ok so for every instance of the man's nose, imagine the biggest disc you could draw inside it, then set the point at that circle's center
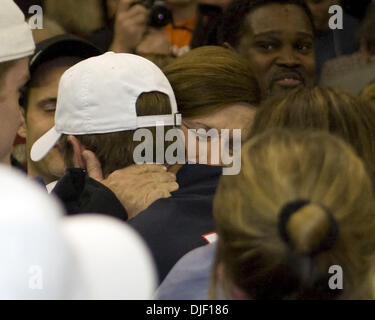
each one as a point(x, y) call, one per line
point(288, 57)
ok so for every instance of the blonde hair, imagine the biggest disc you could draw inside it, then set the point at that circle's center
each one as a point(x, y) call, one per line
point(335, 111)
point(280, 167)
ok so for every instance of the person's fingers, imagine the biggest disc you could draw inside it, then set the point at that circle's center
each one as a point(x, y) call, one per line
point(139, 172)
point(140, 20)
point(148, 181)
point(93, 166)
point(155, 195)
point(147, 167)
point(137, 10)
point(163, 194)
point(134, 11)
point(123, 5)
point(170, 186)
point(163, 190)
point(160, 177)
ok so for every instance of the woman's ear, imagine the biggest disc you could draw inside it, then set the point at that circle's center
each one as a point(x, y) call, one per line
point(78, 148)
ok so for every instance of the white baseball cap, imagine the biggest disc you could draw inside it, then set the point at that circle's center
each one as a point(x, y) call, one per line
point(46, 255)
point(15, 34)
point(99, 95)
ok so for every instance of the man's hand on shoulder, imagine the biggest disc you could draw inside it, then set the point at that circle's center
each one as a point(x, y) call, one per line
point(137, 186)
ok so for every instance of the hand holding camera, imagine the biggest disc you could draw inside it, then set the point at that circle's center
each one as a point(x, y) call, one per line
point(130, 25)
point(133, 20)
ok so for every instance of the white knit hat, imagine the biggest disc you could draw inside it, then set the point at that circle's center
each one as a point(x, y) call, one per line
point(46, 255)
point(16, 38)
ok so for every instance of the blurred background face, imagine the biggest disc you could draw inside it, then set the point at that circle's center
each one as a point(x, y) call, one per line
point(40, 117)
point(279, 42)
point(319, 10)
point(10, 114)
point(236, 116)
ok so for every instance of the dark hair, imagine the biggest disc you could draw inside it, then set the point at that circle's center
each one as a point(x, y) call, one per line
point(233, 24)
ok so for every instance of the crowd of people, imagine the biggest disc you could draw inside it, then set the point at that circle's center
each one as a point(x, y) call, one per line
point(120, 124)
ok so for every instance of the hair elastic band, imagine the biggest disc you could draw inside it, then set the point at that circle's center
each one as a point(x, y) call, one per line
point(292, 207)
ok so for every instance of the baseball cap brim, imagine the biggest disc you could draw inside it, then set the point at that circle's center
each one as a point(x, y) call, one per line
point(44, 144)
point(65, 45)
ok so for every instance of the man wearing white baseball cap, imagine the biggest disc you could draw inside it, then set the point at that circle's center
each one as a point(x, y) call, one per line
point(46, 255)
point(17, 45)
point(101, 102)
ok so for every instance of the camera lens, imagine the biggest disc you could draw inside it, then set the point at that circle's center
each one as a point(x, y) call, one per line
point(160, 16)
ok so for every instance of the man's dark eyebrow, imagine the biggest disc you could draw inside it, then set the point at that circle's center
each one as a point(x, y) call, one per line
point(45, 101)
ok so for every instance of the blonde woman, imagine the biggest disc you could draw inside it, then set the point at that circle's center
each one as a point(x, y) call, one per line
point(302, 203)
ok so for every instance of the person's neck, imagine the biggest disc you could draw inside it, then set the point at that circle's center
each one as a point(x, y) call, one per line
point(183, 13)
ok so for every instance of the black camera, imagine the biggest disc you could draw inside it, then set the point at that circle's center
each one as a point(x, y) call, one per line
point(160, 15)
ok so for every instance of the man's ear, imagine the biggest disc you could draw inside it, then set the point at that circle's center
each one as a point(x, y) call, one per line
point(22, 130)
point(78, 149)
